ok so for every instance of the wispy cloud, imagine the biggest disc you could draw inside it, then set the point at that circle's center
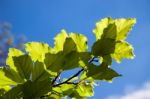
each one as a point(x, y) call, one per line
point(136, 93)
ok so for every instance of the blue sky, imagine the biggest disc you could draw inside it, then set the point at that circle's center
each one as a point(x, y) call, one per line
point(41, 20)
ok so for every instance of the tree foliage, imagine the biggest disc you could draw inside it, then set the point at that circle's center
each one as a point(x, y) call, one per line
point(36, 73)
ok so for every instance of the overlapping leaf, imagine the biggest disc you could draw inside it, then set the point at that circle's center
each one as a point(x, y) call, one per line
point(123, 50)
point(4, 80)
point(108, 33)
point(39, 72)
point(80, 41)
point(59, 41)
point(102, 72)
point(13, 53)
point(37, 50)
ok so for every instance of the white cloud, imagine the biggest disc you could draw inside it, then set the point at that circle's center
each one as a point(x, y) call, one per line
point(134, 93)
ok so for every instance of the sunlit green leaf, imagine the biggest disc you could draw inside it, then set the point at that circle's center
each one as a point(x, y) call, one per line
point(123, 50)
point(60, 61)
point(24, 66)
point(123, 27)
point(80, 40)
point(39, 72)
point(13, 75)
point(69, 46)
point(37, 50)
point(13, 53)
point(4, 80)
point(85, 89)
point(100, 26)
point(59, 41)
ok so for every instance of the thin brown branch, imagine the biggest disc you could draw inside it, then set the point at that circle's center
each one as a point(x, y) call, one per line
point(53, 82)
point(75, 75)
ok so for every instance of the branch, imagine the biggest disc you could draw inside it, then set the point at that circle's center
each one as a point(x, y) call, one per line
point(53, 82)
point(67, 81)
point(75, 75)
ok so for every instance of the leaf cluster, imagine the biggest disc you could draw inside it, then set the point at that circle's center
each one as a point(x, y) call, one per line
point(36, 73)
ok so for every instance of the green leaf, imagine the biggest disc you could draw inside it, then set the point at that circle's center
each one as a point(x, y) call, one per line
point(84, 59)
point(110, 32)
point(100, 26)
point(81, 41)
point(33, 90)
point(13, 75)
point(53, 96)
point(13, 53)
point(60, 61)
point(39, 72)
point(64, 89)
point(85, 89)
point(24, 66)
point(103, 47)
point(4, 80)
point(70, 61)
point(14, 93)
point(37, 50)
point(59, 41)
point(69, 46)
point(106, 44)
point(123, 27)
point(106, 59)
point(123, 50)
point(52, 61)
point(102, 72)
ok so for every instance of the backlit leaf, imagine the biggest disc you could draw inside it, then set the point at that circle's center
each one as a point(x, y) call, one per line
point(39, 72)
point(103, 47)
point(37, 50)
point(24, 66)
point(102, 72)
point(13, 53)
point(4, 80)
point(80, 40)
point(100, 26)
point(123, 50)
point(123, 27)
point(59, 41)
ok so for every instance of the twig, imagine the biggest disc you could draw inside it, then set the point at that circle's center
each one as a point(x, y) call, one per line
point(53, 82)
point(75, 75)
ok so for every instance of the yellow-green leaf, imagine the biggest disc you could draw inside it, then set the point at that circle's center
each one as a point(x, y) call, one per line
point(123, 50)
point(69, 46)
point(59, 41)
point(81, 41)
point(39, 72)
point(123, 27)
point(4, 80)
point(85, 89)
point(13, 53)
point(24, 66)
point(100, 26)
point(37, 50)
